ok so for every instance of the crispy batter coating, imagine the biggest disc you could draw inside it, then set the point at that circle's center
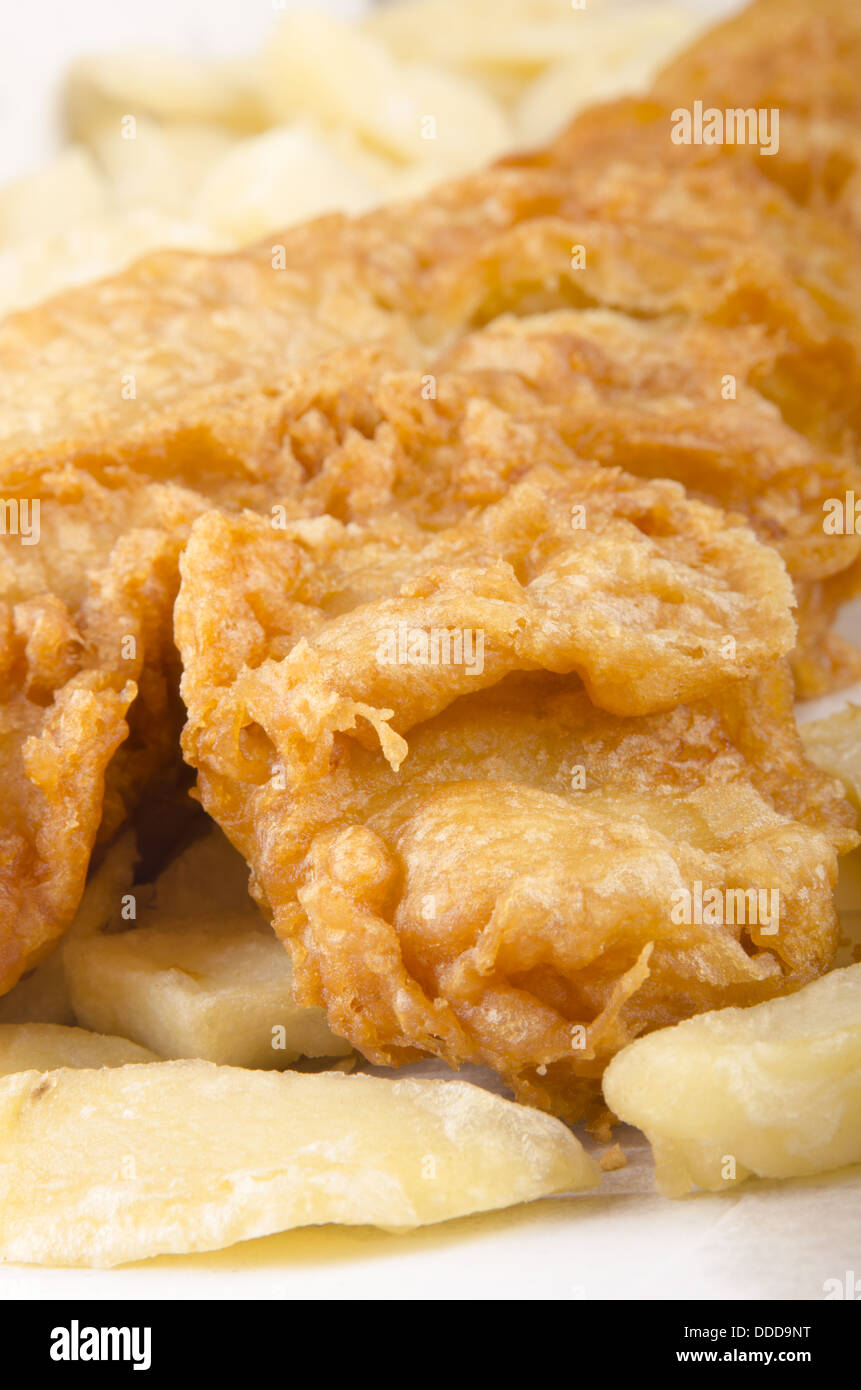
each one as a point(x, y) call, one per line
point(212, 339)
point(90, 714)
point(417, 826)
point(646, 396)
point(129, 407)
point(804, 60)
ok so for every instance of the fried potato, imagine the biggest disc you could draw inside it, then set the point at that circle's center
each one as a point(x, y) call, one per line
point(834, 744)
point(207, 879)
point(318, 66)
point(43, 995)
point(42, 203)
point(159, 169)
point(200, 974)
point(46, 1046)
point(184, 1156)
point(103, 89)
point(220, 990)
point(284, 176)
point(506, 45)
point(32, 270)
point(774, 1090)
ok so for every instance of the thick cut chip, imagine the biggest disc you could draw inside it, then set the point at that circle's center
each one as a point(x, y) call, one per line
point(47, 1046)
point(464, 855)
point(410, 112)
point(219, 989)
point(184, 1156)
point(834, 744)
point(104, 90)
point(206, 880)
point(199, 974)
point(774, 1090)
point(505, 45)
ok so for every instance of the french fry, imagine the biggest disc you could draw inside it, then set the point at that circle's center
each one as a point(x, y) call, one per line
point(177, 1157)
point(104, 89)
point(834, 744)
point(290, 174)
point(773, 1090)
point(209, 876)
point(42, 203)
point(47, 1046)
point(215, 989)
point(316, 66)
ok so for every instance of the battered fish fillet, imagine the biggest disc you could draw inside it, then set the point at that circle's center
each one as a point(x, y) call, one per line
point(463, 853)
point(90, 714)
point(803, 59)
point(212, 340)
point(645, 396)
point(129, 407)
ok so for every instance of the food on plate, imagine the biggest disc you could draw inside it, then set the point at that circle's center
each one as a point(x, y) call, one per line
point(47, 1046)
point(488, 534)
point(773, 1091)
point(464, 854)
point(177, 1157)
point(195, 153)
point(217, 989)
point(112, 527)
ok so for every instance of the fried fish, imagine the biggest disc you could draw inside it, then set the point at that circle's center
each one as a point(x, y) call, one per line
point(464, 852)
point(130, 407)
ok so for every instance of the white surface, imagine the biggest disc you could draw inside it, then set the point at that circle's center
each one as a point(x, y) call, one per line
point(625, 1242)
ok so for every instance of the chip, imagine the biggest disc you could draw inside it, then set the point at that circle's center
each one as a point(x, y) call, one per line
point(177, 1157)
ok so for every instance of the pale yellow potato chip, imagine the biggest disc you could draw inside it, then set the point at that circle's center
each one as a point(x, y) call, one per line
point(34, 270)
point(774, 1090)
point(834, 744)
point(47, 1046)
point(43, 996)
point(290, 174)
point(207, 878)
point(315, 65)
point(158, 167)
point(215, 988)
point(506, 46)
point(105, 88)
point(178, 1157)
point(43, 202)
